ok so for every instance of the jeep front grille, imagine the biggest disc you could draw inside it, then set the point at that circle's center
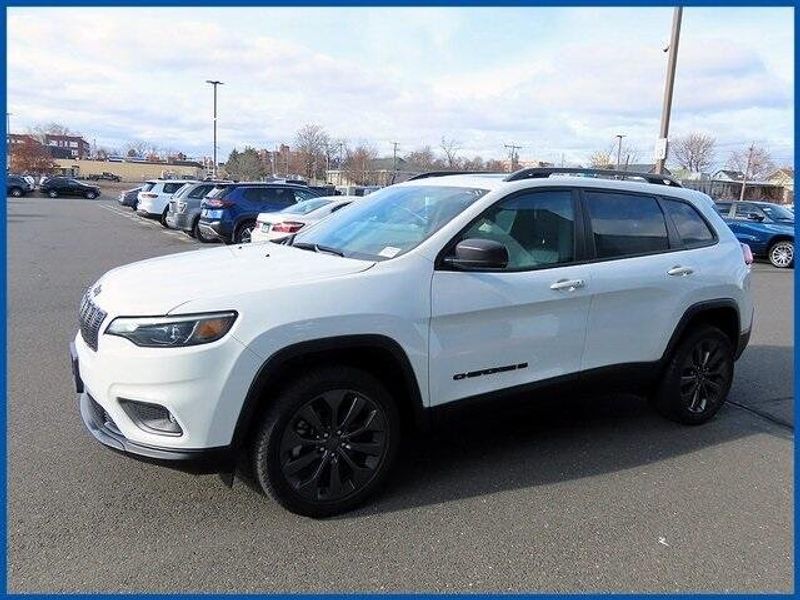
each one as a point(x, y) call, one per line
point(91, 317)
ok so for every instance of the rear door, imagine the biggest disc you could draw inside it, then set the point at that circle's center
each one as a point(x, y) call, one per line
point(643, 275)
point(492, 330)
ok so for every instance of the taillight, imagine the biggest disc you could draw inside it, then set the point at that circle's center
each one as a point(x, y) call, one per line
point(287, 227)
point(149, 195)
point(747, 254)
point(215, 203)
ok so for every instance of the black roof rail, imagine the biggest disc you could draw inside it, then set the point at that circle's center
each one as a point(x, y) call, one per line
point(544, 172)
point(444, 174)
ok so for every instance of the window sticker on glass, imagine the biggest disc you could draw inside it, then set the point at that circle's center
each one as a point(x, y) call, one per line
point(389, 252)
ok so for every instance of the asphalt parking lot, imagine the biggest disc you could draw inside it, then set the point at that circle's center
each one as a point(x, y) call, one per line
point(590, 495)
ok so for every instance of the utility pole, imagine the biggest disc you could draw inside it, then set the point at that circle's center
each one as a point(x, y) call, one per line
point(619, 137)
point(661, 147)
point(215, 84)
point(394, 161)
point(747, 170)
point(512, 155)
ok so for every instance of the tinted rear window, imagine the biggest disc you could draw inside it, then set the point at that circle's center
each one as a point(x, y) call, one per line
point(626, 224)
point(690, 225)
point(171, 188)
point(148, 186)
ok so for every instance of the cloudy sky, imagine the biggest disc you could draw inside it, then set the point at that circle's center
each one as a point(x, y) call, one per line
point(556, 81)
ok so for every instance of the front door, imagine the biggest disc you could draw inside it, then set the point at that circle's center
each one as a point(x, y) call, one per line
point(492, 330)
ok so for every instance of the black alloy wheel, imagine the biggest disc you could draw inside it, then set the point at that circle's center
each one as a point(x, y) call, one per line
point(333, 445)
point(697, 378)
point(327, 441)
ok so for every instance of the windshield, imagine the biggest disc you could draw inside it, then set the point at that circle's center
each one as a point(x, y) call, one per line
point(306, 206)
point(390, 222)
point(777, 213)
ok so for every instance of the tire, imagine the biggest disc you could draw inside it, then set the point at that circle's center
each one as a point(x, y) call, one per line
point(781, 254)
point(52, 194)
point(300, 422)
point(163, 218)
point(244, 232)
point(698, 377)
point(91, 195)
point(198, 234)
point(15, 192)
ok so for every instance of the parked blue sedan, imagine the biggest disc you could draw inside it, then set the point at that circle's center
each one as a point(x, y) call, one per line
point(767, 228)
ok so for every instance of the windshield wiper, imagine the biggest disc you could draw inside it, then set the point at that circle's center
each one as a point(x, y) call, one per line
point(318, 248)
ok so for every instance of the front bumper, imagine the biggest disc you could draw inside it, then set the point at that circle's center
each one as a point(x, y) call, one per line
point(105, 431)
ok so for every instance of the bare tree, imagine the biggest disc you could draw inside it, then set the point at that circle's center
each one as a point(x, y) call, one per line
point(310, 143)
point(601, 159)
point(358, 164)
point(694, 151)
point(424, 159)
point(135, 149)
point(755, 162)
point(43, 129)
point(450, 147)
point(494, 165)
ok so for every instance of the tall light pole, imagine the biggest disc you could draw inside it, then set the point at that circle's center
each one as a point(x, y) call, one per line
point(619, 137)
point(661, 147)
point(215, 84)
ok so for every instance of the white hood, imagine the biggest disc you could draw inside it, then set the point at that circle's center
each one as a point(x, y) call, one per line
point(158, 285)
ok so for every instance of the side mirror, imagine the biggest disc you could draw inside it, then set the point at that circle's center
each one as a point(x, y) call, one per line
point(755, 217)
point(477, 253)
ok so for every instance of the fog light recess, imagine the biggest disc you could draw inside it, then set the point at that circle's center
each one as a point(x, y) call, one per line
point(152, 418)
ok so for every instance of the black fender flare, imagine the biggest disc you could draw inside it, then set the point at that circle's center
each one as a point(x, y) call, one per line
point(271, 369)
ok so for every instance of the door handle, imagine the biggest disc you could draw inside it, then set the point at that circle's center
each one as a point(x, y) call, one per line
point(679, 271)
point(570, 285)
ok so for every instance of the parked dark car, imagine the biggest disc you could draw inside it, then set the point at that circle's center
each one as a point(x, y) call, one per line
point(229, 211)
point(67, 186)
point(183, 210)
point(767, 228)
point(106, 176)
point(130, 198)
point(17, 186)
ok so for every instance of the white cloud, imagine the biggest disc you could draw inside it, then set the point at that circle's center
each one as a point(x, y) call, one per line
point(411, 75)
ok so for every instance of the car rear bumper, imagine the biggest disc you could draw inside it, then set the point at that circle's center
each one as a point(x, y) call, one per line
point(182, 221)
point(216, 229)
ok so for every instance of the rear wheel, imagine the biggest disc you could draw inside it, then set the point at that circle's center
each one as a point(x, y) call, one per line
point(198, 233)
point(327, 441)
point(91, 195)
point(244, 233)
point(781, 254)
point(163, 218)
point(698, 377)
point(16, 192)
point(52, 194)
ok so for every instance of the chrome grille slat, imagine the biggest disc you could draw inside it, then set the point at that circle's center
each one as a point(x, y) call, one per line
point(91, 317)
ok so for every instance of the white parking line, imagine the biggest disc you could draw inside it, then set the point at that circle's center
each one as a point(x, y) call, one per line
point(146, 222)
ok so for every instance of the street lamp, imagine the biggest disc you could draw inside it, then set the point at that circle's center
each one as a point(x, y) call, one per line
point(619, 148)
point(215, 84)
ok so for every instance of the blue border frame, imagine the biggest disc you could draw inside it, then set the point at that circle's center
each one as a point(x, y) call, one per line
point(345, 3)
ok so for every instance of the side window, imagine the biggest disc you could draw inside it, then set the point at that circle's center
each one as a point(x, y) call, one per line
point(626, 224)
point(301, 195)
point(691, 227)
point(745, 209)
point(723, 209)
point(171, 188)
point(279, 196)
point(200, 191)
point(253, 194)
point(537, 228)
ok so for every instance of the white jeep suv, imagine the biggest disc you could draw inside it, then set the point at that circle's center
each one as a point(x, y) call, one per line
point(154, 197)
point(311, 357)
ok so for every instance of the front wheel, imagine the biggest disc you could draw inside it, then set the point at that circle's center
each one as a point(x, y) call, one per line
point(52, 194)
point(91, 195)
point(781, 254)
point(16, 192)
point(698, 377)
point(327, 441)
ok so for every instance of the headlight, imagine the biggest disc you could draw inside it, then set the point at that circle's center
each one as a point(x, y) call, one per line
point(171, 332)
